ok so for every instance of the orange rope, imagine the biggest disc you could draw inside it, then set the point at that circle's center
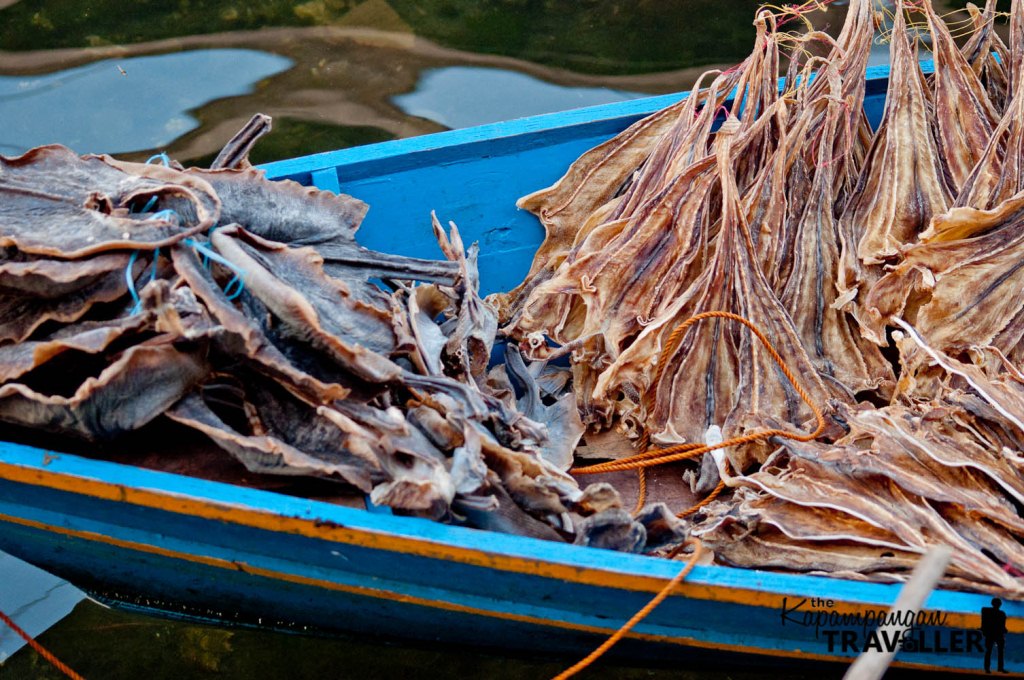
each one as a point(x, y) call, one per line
point(42, 651)
point(641, 493)
point(698, 550)
point(671, 454)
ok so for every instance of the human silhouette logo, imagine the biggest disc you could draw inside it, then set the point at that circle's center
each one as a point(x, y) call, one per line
point(993, 627)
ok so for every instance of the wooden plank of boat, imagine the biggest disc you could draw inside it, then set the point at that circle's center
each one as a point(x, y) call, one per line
point(204, 549)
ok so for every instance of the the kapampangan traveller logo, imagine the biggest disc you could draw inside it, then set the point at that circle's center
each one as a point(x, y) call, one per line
point(908, 631)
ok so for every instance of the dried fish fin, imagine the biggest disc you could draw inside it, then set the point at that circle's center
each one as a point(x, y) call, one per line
point(133, 390)
point(353, 333)
point(235, 154)
point(262, 453)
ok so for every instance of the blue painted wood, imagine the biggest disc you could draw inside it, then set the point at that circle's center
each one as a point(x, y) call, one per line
point(173, 560)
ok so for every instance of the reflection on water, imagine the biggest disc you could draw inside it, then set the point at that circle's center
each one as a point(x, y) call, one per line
point(597, 36)
point(463, 96)
point(125, 105)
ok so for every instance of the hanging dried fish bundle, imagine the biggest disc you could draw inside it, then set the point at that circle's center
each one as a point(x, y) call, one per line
point(828, 240)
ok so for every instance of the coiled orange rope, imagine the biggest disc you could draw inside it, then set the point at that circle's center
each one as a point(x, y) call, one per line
point(698, 550)
point(42, 651)
point(651, 457)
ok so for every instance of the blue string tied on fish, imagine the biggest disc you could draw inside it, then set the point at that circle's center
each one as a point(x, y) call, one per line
point(167, 215)
point(162, 157)
point(129, 276)
point(235, 286)
point(237, 283)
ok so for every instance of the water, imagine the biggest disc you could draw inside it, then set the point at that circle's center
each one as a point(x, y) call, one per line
point(498, 94)
point(162, 90)
point(184, 75)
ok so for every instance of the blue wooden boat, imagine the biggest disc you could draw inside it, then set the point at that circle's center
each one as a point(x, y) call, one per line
point(188, 547)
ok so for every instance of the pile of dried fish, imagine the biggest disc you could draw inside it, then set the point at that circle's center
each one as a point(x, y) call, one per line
point(244, 309)
point(836, 241)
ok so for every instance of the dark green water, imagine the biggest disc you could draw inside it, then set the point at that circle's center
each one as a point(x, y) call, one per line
point(111, 76)
point(103, 644)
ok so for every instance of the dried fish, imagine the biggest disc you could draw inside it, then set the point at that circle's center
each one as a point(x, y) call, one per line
point(903, 182)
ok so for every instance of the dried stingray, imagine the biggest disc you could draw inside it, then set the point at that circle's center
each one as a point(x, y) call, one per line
point(840, 354)
point(964, 115)
point(268, 337)
point(136, 388)
point(33, 292)
point(287, 212)
point(324, 316)
point(903, 182)
point(89, 337)
point(266, 453)
point(717, 366)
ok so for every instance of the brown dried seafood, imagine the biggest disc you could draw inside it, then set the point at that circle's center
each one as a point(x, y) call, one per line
point(243, 308)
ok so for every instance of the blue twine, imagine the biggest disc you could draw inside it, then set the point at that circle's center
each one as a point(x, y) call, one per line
point(130, 280)
point(149, 205)
point(162, 157)
point(165, 215)
point(237, 280)
point(156, 259)
point(235, 286)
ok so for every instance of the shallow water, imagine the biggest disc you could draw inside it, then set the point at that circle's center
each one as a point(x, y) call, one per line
point(184, 75)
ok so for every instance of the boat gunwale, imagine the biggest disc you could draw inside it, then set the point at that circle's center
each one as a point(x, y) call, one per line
point(361, 161)
point(274, 512)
